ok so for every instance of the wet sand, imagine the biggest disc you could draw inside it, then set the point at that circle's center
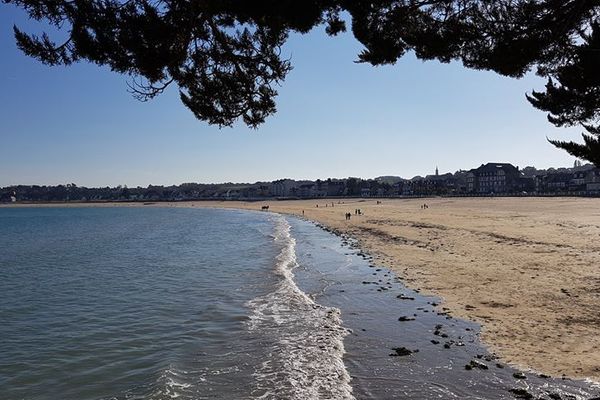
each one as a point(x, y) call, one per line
point(398, 346)
point(526, 269)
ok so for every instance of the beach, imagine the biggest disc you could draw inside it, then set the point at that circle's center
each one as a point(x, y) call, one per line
point(526, 269)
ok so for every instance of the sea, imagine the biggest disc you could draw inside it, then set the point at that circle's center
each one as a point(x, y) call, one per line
point(149, 302)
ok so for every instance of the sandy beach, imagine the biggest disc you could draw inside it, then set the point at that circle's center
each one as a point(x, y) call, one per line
point(526, 269)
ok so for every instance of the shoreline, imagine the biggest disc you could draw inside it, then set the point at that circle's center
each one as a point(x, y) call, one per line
point(524, 269)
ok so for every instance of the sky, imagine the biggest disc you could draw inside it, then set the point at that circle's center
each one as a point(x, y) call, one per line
point(336, 118)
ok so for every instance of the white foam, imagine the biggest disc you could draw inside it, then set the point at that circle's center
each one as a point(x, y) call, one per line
point(172, 383)
point(306, 358)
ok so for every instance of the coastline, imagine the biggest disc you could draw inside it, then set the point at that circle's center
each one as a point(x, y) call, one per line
point(523, 268)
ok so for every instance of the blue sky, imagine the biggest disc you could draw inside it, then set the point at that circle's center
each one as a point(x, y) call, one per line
point(335, 118)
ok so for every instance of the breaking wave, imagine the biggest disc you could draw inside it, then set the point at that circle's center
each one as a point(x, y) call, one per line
point(304, 339)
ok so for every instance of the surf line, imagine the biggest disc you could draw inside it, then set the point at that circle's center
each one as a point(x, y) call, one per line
point(306, 348)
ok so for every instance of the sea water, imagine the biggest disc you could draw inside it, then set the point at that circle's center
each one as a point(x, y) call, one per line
point(161, 303)
point(157, 303)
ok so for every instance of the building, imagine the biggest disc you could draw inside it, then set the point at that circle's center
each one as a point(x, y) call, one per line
point(283, 187)
point(556, 182)
point(592, 181)
point(471, 182)
point(577, 182)
point(493, 178)
point(336, 188)
point(307, 190)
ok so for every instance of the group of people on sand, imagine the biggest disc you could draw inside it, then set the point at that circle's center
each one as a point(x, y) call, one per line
point(424, 206)
point(357, 211)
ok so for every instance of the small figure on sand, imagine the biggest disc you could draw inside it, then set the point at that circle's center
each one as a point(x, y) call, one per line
point(348, 216)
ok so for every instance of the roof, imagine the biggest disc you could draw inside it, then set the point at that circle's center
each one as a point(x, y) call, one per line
point(493, 167)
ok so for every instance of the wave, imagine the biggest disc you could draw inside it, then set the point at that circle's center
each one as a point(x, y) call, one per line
point(303, 339)
point(172, 383)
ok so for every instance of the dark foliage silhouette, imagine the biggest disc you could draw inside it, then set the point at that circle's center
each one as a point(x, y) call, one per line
point(225, 55)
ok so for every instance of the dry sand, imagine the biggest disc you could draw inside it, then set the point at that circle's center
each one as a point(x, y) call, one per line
point(526, 269)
